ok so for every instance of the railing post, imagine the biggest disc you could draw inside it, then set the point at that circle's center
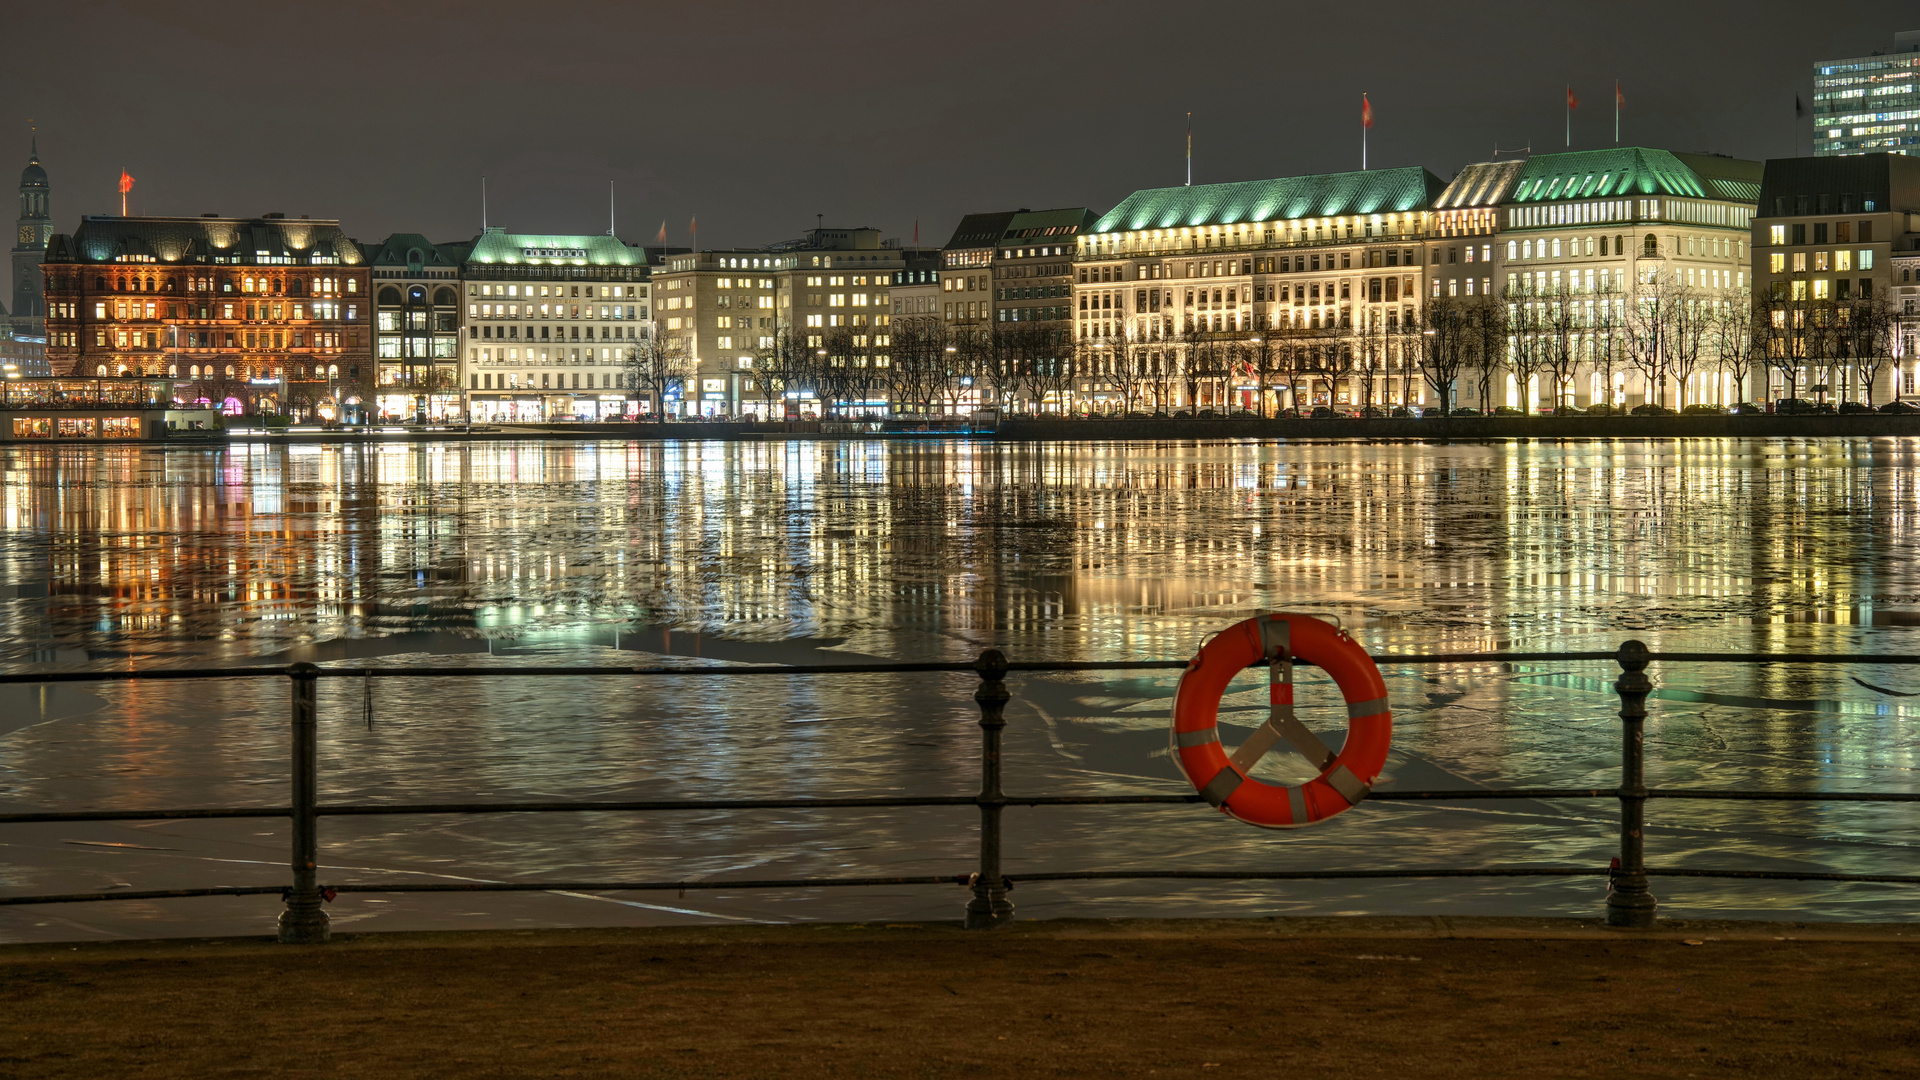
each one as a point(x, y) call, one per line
point(304, 922)
point(989, 907)
point(1629, 901)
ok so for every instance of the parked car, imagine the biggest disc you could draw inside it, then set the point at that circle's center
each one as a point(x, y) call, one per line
point(1793, 406)
point(1464, 412)
point(1401, 412)
point(1603, 409)
point(1374, 412)
point(1899, 407)
point(1747, 408)
point(1563, 410)
point(1650, 409)
point(1508, 410)
point(1851, 407)
point(1322, 412)
point(1703, 410)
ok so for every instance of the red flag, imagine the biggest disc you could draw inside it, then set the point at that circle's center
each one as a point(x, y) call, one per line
point(1572, 102)
point(662, 238)
point(126, 182)
point(1366, 112)
point(1619, 99)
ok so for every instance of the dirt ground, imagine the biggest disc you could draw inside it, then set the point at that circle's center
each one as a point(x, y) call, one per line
point(1422, 998)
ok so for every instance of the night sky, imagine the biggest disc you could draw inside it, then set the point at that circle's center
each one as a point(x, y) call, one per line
point(757, 117)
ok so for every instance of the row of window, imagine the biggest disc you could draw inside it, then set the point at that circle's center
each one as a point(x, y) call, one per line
point(489, 332)
point(322, 310)
point(592, 291)
point(1844, 232)
point(1820, 261)
point(553, 311)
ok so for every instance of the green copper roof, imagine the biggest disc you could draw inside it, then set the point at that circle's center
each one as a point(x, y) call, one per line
point(1634, 170)
point(1378, 191)
point(496, 246)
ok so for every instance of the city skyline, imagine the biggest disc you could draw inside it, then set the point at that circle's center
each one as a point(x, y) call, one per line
point(915, 128)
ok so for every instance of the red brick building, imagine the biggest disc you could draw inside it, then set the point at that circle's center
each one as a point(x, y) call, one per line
point(267, 315)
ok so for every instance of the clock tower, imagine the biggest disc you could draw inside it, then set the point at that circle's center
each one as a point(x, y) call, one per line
point(29, 307)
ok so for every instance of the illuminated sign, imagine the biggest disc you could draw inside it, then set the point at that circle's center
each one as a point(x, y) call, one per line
point(553, 253)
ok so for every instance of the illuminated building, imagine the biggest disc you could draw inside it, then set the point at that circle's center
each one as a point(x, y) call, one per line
point(29, 310)
point(1174, 285)
point(1824, 244)
point(830, 287)
point(23, 356)
point(260, 315)
point(1869, 104)
point(549, 321)
point(915, 294)
point(1566, 241)
point(416, 334)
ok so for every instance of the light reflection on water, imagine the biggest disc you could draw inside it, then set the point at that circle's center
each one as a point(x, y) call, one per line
point(613, 552)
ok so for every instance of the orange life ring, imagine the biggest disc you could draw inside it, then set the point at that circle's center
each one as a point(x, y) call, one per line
point(1222, 779)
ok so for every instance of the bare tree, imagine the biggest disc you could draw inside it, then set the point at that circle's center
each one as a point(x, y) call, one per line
point(778, 368)
point(1865, 334)
point(1734, 342)
point(1691, 336)
point(653, 364)
point(1445, 347)
point(1650, 326)
point(1486, 325)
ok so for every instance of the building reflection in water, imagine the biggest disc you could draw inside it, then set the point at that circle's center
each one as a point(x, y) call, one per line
point(1066, 551)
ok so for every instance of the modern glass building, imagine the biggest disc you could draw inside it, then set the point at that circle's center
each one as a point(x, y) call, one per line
point(1869, 104)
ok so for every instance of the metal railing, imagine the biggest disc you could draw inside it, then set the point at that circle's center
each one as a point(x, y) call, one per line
point(1630, 901)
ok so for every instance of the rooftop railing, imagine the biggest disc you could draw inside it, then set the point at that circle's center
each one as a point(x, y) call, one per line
point(1629, 898)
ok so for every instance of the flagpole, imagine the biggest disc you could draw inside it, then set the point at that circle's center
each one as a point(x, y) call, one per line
point(1569, 116)
point(1189, 149)
point(1363, 131)
point(1616, 112)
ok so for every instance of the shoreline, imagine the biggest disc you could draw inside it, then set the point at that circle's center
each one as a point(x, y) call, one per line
point(1434, 429)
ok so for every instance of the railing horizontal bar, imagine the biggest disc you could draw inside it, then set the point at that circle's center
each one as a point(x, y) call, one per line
point(1310, 875)
point(1501, 793)
point(146, 815)
point(650, 886)
point(888, 801)
point(961, 879)
point(1785, 875)
point(603, 806)
point(144, 894)
point(1784, 796)
point(909, 667)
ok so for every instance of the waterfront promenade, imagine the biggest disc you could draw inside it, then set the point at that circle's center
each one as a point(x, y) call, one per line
point(1481, 998)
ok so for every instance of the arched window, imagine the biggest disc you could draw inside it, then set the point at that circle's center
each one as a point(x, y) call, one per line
point(444, 297)
point(193, 372)
point(102, 369)
point(229, 371)
point(353, 285)
point(173, 371)
point(1650, 246)
point(148, 287)
point(100, 283)
point(389, 295)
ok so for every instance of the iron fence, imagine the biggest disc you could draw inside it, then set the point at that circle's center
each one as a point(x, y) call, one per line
point(1629, 903)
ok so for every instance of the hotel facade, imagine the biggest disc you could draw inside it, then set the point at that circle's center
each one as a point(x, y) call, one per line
point(254, 315)
point(548, 322)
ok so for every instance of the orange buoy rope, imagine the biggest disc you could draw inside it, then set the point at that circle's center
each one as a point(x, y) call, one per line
point(1223, 779)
